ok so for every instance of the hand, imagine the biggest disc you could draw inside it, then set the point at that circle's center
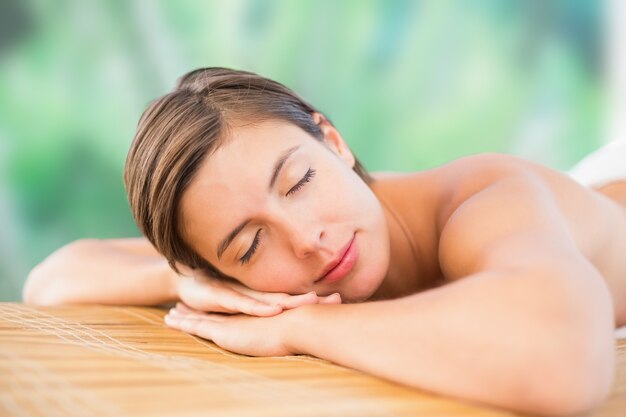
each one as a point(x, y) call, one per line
point(240, 333)
point(210, 294)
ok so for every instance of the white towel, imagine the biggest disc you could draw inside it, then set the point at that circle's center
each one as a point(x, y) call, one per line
point(603, 166)
point(599, 168)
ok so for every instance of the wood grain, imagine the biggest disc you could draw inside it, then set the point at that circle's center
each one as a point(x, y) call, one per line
point(122, 361)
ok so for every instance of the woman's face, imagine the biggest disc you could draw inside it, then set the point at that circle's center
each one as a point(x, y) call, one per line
point(275, 209)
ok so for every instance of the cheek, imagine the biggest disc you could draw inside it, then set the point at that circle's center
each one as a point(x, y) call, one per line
point(349, 198)
point(275, 272)
point(336, 196)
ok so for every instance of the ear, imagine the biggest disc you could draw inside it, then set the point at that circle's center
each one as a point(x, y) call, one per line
point(333, 140)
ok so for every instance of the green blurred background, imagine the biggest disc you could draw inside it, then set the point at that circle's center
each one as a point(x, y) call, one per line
point(410, 84)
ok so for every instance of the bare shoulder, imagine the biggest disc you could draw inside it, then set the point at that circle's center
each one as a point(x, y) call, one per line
point(459, 179)
point(491, 196)
point(514, 213)
point(465, 177)
point(487, 193)
point(501, 211)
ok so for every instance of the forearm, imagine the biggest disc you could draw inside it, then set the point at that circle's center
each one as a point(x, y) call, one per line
point(94, 271)
point(485, 338)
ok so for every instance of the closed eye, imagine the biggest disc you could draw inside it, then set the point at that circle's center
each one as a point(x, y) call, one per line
point(307, 177)
point(255, 243)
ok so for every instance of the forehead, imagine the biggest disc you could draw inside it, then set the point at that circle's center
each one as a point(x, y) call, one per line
point(233, 180)
point(249, 152)
point(254, 143)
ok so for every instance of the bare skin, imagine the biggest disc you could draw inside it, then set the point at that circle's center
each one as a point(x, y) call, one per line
point(601, 239)
point(498, 267)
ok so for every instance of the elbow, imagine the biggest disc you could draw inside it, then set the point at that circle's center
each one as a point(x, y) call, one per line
point(573, 381)
point(40, 288)
point(31, 291)
point(574, 370)
point(47, 284)
point(579, 395)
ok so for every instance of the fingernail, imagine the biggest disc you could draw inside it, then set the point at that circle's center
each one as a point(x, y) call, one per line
point(173, 312)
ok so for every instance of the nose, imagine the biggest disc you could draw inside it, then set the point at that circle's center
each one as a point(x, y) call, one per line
point(305, 237)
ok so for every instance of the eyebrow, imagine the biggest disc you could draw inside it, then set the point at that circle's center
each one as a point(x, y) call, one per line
point(278, 165)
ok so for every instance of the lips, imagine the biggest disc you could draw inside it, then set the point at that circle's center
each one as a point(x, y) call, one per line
point(342, 264)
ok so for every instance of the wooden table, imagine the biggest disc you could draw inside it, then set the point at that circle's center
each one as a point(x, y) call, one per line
point(122, 361)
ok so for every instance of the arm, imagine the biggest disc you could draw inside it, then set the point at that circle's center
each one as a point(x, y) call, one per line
point(497, 338)
point(528, 327)
point(130, 271)
point(114, 271)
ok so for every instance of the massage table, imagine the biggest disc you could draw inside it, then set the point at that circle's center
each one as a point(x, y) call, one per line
point(123, 361)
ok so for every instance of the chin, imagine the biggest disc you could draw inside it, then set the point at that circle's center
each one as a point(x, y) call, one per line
point(354, 299)
point(369, 276)
point(358, 296)
point(363, 288)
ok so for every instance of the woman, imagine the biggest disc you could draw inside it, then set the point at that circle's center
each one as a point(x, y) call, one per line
point(481, 276)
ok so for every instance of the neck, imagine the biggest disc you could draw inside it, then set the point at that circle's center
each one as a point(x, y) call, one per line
point(413, 255)
point(401, 277)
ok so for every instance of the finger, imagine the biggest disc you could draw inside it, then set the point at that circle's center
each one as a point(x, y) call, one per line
point(175, 312)
point(202, 328)
point(288, 301)
point(184, 308)
point(283, 299)
point(293, 301)
point(201, 294)
point(241, 303)
point(218, 297)
point(331, 299)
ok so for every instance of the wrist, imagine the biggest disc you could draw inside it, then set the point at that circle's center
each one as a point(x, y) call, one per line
point(171, 282)
point(297, 327)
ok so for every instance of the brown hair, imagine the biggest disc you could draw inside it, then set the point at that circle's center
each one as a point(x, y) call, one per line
point(179, 130)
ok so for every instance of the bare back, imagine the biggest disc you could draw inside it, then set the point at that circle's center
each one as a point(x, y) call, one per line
point(426, 201)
